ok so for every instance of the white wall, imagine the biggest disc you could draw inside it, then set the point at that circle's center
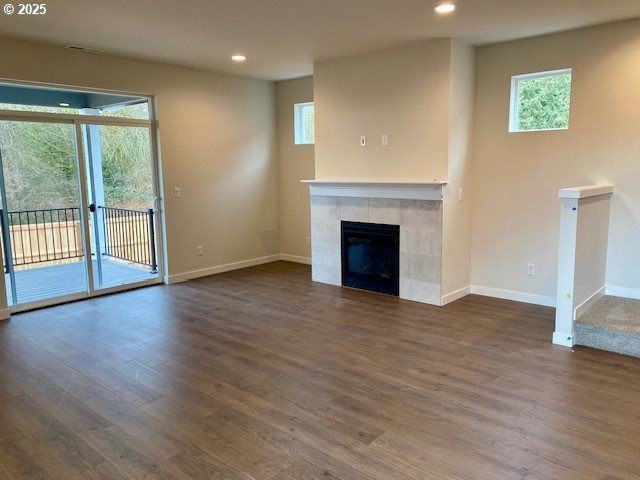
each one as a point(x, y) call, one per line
point(402, 92)
point(217, 142)
point(516, 177)
point(295, 163)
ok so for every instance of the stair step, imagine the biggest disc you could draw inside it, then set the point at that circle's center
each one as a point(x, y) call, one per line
point(627, 343)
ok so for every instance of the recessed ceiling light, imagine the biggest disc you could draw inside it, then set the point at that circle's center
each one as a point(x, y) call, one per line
point(238, 58)
point(445, 8)
point(63, 104)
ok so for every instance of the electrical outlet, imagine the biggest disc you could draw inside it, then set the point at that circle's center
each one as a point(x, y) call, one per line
point(177, 193)
point(385, 140)
point(308, 241)
point(363, 141)
point(531, 268)
point(459, 194)
point(199, 250)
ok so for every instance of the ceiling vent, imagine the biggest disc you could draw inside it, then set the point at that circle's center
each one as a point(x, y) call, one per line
point(83, 49)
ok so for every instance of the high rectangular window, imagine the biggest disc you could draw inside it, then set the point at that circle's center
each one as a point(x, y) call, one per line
point(540, 101)
point(303, 123)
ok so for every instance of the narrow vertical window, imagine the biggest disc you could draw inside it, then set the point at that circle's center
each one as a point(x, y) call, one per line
point(303, 123)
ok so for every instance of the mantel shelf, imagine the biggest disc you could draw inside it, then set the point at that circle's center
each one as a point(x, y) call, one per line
point(377, 189)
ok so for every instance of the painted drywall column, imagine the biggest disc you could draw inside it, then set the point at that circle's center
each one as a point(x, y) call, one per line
point(456, 229)
point(295, 163)
point(582, 255)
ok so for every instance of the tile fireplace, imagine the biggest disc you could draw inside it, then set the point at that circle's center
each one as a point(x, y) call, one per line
point(413, 210)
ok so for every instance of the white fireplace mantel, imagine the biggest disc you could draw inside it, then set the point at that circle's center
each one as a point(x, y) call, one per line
point(402, 190)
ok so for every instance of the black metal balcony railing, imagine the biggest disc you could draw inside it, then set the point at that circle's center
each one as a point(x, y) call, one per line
point(39, 236)
point(50, 235)
point(129, 235)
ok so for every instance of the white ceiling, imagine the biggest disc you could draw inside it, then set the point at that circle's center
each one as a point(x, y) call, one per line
point(282, 38)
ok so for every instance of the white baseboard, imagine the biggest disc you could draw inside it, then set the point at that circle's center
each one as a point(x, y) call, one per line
point(5, 314)
point(205, 272)
point(295, 258)
point(515, 296)
point(588, 303)
point(456, 295)
point(625, 292)
point(564, 339)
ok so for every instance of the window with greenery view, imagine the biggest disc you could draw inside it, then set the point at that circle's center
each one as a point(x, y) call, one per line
point(540, 101)
point(303, 123)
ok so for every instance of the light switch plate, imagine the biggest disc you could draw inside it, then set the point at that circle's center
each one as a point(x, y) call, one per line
point(363, 141)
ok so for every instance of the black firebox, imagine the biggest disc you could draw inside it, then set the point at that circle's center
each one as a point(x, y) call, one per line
point(371, 257)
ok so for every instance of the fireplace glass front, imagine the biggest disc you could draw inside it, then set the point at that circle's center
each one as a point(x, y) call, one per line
point(371, 257)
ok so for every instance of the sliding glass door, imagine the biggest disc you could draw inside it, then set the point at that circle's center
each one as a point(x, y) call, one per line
point(77, 206)
point(42, 236)
point(120, 178)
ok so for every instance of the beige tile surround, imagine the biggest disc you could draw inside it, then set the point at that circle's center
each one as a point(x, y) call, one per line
point(420, 240)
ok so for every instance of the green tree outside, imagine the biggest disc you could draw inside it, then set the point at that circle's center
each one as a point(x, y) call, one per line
point(543, 102)
point(309, 124)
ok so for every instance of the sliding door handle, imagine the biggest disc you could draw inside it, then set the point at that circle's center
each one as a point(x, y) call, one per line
point(92, 207)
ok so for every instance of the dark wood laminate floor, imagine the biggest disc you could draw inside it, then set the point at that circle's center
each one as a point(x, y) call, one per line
point(261, 373)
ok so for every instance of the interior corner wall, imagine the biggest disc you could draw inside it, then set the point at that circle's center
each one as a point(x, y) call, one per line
point(217, 142)
point(456, 232)
point(401, 92)
point(516, 176)
point(295, 163)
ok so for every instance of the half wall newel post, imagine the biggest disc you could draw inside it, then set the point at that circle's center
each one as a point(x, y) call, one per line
point(582, 255)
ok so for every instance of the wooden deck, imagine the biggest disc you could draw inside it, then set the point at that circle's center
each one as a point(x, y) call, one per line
point(59, 280)
point(263, 374)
